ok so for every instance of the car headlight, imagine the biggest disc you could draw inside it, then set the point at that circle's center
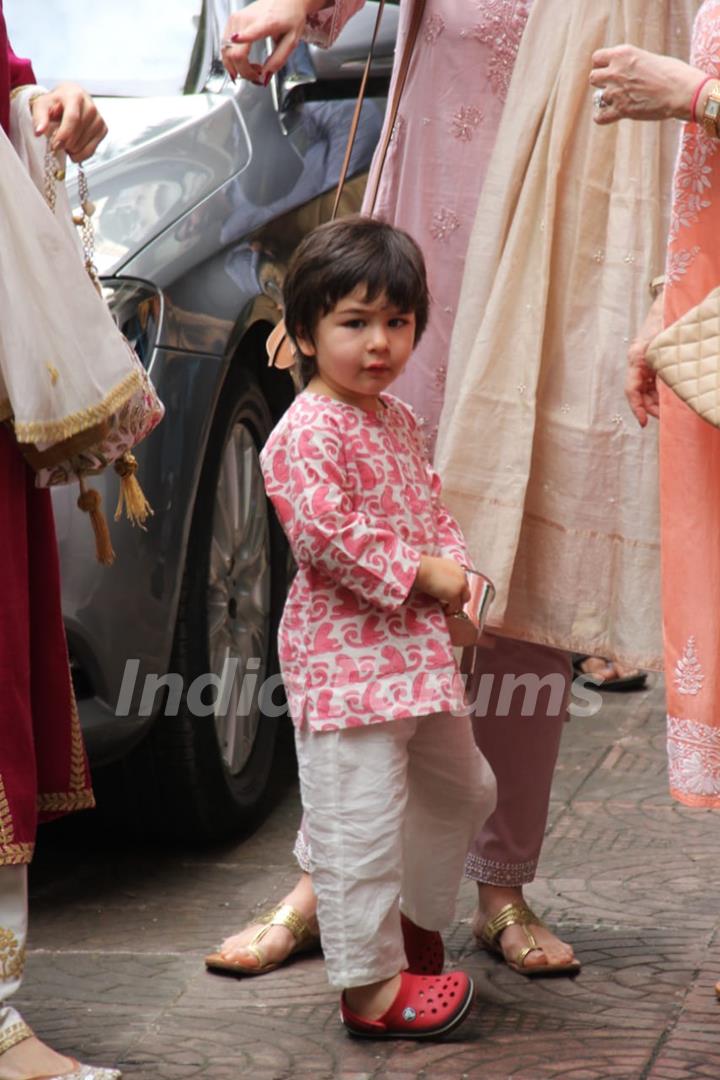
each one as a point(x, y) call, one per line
point(136, 307)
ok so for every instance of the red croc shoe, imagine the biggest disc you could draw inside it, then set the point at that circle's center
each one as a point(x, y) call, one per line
point(424, 948)
point(425, 1007)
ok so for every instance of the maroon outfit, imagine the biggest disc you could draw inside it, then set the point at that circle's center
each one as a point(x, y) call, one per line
point(43, 771)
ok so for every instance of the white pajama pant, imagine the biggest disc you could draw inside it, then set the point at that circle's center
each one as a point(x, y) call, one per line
point(13, 938)
point(390, 809)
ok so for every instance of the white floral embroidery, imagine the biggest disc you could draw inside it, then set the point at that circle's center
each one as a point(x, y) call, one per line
point(501, 27)
point(444, 224)
point(302, 852)
point(679, 262)
point(398, 130)
point(693, 173)
point(491, 872)
point(692, 179)
point(689, 675)
point(693, 758)
point(466, 121)
point(433, 29)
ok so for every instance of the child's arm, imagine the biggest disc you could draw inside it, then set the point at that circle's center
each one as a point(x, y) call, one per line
point(450, 540)
point(306, 481)
point(449, 534)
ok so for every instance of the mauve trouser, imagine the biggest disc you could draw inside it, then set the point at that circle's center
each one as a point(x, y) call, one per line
point(522, 751)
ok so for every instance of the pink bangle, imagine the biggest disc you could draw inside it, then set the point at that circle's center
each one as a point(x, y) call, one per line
point(696, 98)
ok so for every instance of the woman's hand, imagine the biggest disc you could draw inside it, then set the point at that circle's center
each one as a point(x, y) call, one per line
point(640, 85)
point(282, 20)
point(640, 381)
point(71, 112)
point(444, 579)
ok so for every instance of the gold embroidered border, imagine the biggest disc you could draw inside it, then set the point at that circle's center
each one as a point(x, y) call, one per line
point(14, 1034)
point(16, 854)
point(19, 89)
point(7, 829)
point(61, 802)
point(12, 956)
point(52, 431)
point(79, 796)
point(77, 751)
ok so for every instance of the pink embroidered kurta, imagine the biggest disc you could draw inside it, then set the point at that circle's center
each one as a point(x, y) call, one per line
point(360, 504)
point(444, 135)
point(690, 470)
point(442, 141)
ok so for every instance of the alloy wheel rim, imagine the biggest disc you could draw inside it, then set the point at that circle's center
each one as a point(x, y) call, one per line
point(238, 601)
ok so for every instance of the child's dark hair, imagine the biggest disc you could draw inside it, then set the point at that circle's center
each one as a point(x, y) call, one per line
point(334, 259)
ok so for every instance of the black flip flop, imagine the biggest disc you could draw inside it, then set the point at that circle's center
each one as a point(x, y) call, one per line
point(621, 685)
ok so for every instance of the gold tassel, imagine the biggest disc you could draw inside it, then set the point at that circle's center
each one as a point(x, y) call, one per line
point(132, 496)
point(90, 501)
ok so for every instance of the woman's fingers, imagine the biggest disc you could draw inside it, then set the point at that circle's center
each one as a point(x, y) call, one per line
point(86, 144)
point(279, 56)
point(80, 127)
point(281, 20)
point(236, 61)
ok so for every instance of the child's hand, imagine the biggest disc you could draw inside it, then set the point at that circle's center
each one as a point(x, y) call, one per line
point(445, 580)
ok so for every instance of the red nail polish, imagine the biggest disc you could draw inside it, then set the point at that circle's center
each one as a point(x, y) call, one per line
point(267, 78)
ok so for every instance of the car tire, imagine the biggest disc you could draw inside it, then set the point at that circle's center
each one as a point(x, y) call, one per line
point(208, 781)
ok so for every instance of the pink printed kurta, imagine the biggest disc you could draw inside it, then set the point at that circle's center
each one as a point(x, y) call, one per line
point(360, 504)
point(690, 471)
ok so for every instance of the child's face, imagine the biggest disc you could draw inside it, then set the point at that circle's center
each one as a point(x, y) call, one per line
point(361, 346)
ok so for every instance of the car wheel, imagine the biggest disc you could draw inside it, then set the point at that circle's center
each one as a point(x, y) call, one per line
point(213, 760)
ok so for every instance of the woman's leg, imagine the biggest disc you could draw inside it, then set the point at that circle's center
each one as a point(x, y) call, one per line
point(521, 693)
point(22, 1055)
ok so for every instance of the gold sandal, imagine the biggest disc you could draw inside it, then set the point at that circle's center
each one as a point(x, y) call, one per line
point(283, 915)
point(521, 915)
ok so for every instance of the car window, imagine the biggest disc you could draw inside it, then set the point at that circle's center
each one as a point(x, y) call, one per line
point(124, 47)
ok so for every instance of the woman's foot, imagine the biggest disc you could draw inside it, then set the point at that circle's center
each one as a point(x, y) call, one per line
point(551, 951)
point(279, 942)
point(31, 1058)
point(609, 674)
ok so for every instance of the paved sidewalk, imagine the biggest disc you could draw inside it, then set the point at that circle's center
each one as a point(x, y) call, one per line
point(118, 934)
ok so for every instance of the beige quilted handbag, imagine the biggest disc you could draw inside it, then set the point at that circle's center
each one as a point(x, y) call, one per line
point(686, 356)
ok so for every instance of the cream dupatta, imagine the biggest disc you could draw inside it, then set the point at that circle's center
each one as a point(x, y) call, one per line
point(554, 484)
point(64, 366)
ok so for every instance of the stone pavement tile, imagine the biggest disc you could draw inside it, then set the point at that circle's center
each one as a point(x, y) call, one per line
point(629, 897)
point(165, 905)
point(135, 980)
point(98, 1034)
point(626, 977)
point(309, 1042)
point(692, 1046)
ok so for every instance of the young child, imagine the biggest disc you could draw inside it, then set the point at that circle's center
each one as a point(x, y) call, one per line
point(393, 786)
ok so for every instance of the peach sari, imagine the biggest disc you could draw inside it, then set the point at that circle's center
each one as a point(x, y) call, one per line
point(690, 471)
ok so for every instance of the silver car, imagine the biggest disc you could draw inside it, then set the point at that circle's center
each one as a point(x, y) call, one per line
point(202, 190)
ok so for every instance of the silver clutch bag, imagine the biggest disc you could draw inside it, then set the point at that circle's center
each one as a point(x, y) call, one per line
point(467, 626)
